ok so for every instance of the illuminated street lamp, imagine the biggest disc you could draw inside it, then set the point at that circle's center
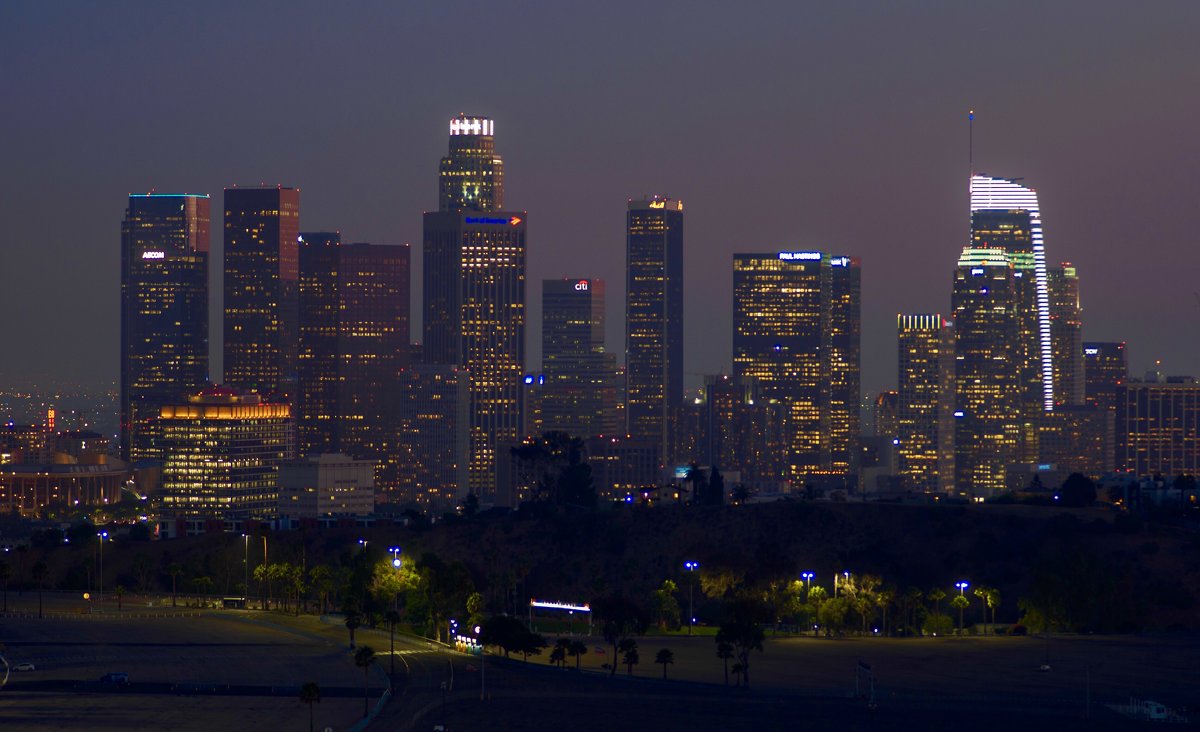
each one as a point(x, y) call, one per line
point(246, 570)
point(691, 568)
point(962, 604)
point(103, 535)
point(807, 577)
point(395, 550)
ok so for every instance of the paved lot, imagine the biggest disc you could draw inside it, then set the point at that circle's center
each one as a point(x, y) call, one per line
point(239, 670)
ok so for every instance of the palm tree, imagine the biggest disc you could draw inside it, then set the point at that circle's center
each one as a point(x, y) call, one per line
point(39, 572)
point(363, 658)
point(310, 693)
point(393, 618)
point(577, 649)
point(961, 602)
point(737, 672)
point(558, 656)
point(201, 585)
point(937, 595)
point(5, 576)
point(174, 569)
point(629, 657)
point(884, 599)
point(725, 652)
point(665, 657)
point(352, 623)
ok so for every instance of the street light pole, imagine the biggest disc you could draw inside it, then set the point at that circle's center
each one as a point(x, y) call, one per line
point(962, 589)
point(691, 568)
point(246, 570)
point(103, 535)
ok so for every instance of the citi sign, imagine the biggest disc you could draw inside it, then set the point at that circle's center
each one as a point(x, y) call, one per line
point(581, 286)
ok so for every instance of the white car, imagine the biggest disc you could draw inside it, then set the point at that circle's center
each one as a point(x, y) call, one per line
point(23, 667)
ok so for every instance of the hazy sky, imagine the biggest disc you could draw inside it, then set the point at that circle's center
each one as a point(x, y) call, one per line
point(834, 126)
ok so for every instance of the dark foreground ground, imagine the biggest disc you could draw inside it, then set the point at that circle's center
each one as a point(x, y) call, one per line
point(236, 670)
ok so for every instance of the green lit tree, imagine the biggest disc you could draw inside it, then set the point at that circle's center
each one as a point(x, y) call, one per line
point(960, 602)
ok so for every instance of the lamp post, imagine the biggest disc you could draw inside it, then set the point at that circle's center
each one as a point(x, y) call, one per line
point(691, 568)
point(807, 577)
point(395, 550)
point(246, 570)
point(103, 535)
point(962, 589)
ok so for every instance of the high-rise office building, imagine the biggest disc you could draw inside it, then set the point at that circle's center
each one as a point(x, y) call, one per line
point(987, 378)
point(222, 451)
point(262, 226)
point(373, 335)
point(354, 302)
point(741, 431)
point(1158, 428)
point(471, 176)
point(1066, 334)
point(886, 409)
point(1105, 371)
point(164, 310)
point(796, 329)
point(433, 441)
point(474, 302)
point(1005, 215)
point(925, 419)
point(654, 320)
point(579, 391)
point(317, 395)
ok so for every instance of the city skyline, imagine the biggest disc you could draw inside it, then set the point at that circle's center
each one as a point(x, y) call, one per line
point(907, 158)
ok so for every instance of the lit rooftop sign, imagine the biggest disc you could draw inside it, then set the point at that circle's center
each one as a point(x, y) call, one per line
point(790, 256)
point(472, 126)
point(154, 255)
point(512, 221)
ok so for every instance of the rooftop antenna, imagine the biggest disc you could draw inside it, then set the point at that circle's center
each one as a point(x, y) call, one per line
point(971, 168)
point(971, 141)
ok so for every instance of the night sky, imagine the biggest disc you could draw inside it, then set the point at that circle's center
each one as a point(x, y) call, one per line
point(834, 126)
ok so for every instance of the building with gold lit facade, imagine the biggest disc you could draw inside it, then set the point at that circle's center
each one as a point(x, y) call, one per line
point(988, 423)
point(925, 402)
point(222, 450)
point(796, 329)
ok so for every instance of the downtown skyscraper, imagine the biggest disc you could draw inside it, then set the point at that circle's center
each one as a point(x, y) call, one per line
point(354, 303)
point(474, 292)
point(796, 328)
point(654, 320)
point(1006, 215)
point(580, 393)
point(925, 409)
point(987, 384)
point(164, 310)
point(1066, 334)
point(262, 226)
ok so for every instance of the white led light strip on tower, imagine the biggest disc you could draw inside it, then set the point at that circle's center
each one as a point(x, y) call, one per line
point(1001, 194)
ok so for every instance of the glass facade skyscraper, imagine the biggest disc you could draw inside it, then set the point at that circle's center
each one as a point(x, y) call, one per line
point(474, 293)
point(164, 310)
point(579, 395)
point(262, 226)
point(925, 409)
point(796, 328)
point(654, 320)
point(1066, 334)
point(988, 397)
point(1006, 215)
